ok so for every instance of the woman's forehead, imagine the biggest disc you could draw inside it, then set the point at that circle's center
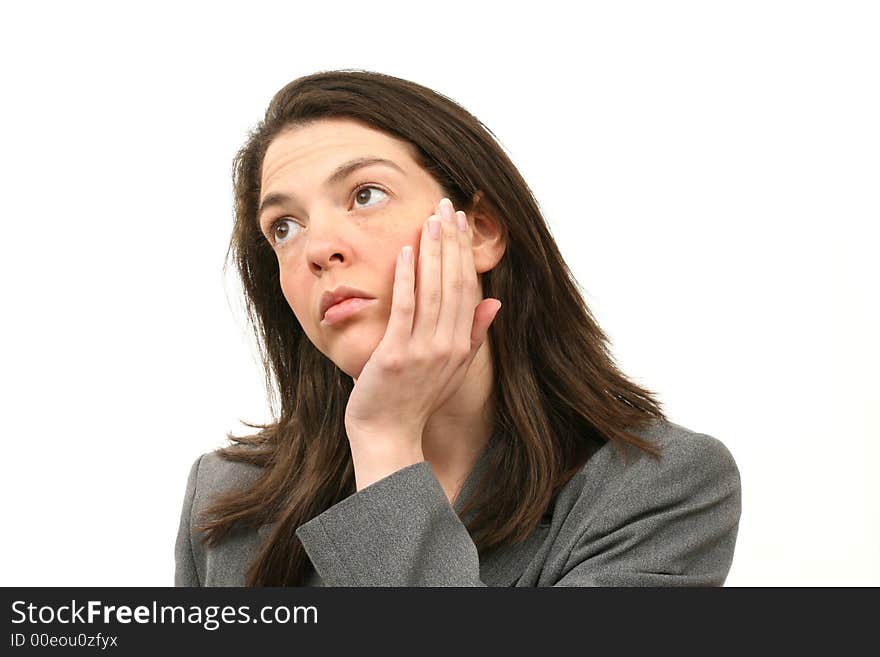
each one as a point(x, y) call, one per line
point(335, 133)
point(318, 148)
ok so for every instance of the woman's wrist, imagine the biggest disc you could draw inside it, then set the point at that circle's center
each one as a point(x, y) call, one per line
point(377, 456)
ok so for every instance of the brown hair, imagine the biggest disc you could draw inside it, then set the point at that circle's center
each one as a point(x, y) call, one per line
point(557, 392)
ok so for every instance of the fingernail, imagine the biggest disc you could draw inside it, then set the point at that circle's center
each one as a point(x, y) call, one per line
point(446, 209)
point(434, 228)
point(462, 221)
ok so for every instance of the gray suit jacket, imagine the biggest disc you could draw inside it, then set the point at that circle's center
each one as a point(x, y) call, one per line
point(649, 523)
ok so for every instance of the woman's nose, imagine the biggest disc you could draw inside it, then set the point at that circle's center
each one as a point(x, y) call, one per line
point(328, 237)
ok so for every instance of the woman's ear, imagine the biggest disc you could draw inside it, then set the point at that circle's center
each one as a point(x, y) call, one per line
point(489, 232)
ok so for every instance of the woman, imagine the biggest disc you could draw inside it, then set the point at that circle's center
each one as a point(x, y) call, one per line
point(425, 437)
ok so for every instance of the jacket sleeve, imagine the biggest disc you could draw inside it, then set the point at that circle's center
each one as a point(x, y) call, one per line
point(398, 531)
point(185, 573)
point(669, 524)
point(672, 523)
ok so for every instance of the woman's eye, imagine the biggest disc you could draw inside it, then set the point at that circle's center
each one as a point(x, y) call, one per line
point(281, 230)
point(366, 194)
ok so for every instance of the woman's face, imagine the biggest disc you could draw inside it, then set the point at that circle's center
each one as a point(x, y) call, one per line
point(348, 229)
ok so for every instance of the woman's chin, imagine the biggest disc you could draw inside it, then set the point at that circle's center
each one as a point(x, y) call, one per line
point(352, 346)
point(353, 371)
point(352, 362)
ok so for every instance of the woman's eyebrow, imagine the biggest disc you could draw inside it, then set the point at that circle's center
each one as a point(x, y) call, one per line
point(341, 173)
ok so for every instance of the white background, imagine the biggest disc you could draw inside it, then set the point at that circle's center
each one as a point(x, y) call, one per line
point(710, 171)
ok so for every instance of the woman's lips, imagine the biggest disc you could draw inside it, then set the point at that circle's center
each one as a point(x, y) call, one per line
point(344, 309)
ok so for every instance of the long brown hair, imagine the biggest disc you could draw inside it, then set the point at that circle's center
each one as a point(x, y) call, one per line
point(557, 392)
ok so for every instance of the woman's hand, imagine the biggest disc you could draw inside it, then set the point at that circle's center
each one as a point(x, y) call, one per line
point(432, 337)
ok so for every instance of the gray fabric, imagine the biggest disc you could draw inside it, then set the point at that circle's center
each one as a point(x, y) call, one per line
point(648, 523)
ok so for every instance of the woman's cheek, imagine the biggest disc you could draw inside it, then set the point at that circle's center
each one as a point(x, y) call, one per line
point(297, 302)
